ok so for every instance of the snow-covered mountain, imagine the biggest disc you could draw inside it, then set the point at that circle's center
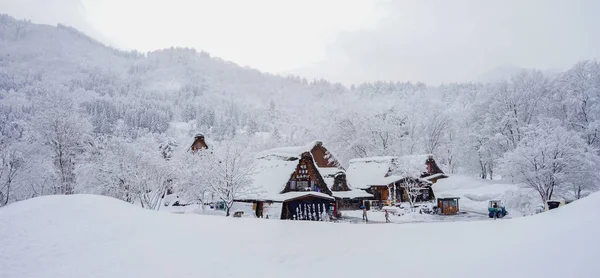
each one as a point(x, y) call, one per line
point(124, 106)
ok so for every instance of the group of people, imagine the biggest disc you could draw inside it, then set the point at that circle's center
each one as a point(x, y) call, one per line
point(366, 218)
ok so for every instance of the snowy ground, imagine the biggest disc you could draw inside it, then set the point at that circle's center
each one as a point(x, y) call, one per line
point(94, 236)
point(355, 216)
point(474, 195)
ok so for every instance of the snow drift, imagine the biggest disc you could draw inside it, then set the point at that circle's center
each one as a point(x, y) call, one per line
point(95, 236)
point(475, 194)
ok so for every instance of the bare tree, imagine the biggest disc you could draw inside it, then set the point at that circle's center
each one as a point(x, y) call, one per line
point(435, 129)
point(12, 163)
point(226, 171)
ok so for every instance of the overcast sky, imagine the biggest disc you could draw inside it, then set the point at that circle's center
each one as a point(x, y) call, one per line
point(344, 40)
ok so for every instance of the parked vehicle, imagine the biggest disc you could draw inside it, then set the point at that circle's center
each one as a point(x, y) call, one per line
point(496, 209)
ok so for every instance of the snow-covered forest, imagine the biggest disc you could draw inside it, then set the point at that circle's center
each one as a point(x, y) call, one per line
point(79, 117)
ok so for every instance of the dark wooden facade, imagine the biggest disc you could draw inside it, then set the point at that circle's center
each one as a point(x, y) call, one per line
point(199, 143)
point(433, 169)
point(309, 208)
point(306, 177)
point(396, 192)
point(339, 182)
point(426, 194)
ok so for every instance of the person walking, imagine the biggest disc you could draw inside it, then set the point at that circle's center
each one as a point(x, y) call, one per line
point(387, 216)
point(364, 215)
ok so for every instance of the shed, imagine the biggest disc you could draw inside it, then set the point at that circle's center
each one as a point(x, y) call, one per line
point(448, 206)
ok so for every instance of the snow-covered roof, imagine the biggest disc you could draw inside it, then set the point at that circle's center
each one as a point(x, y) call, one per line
point(297, 194)
point(434, 176)
point(289, 151)
point(269, 177)
point(383, 170)
point(354, 193)
point(329, 174)
point(411, 165)
point(366, 172)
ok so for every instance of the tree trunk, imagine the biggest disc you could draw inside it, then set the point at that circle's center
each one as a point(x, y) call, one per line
point(483, 169)
point(7, 194)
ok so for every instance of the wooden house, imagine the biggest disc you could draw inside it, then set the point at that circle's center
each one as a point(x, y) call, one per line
point(299, 183)
point(199, 143)
point(388, 177)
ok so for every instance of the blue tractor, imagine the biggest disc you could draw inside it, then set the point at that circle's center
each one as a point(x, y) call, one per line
point(496, 209)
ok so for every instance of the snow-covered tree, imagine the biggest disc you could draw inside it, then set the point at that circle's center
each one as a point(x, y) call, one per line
point(414, 189)
point(191, 185)
point(58, 116)
point(226, 171)
point(61, 130)
point(548, 158)
point(11, 165)
point(579, 100)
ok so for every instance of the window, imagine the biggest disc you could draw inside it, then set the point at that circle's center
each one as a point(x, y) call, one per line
point(302, 185)
point(293, 185)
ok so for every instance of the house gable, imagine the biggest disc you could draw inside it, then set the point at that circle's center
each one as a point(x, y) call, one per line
point(306, 177)
point(340, 183)
point(199, 143)
point(432, 167)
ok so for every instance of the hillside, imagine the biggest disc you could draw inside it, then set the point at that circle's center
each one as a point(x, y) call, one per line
point(94, 236)
point(139, 109)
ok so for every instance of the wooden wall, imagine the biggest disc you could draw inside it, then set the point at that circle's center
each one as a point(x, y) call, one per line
point(306, 171)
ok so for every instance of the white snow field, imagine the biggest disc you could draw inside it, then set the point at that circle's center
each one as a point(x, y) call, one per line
point(94, 236)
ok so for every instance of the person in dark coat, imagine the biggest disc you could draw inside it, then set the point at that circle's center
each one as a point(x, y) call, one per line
point(387, 216)
point(364, 208)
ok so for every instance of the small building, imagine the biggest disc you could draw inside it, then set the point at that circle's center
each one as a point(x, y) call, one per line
point(390, 178)
point(448, 206)
point(199, 143)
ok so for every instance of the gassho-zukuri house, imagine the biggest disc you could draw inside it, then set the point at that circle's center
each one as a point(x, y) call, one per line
point(298, 183)
point(386, 177)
